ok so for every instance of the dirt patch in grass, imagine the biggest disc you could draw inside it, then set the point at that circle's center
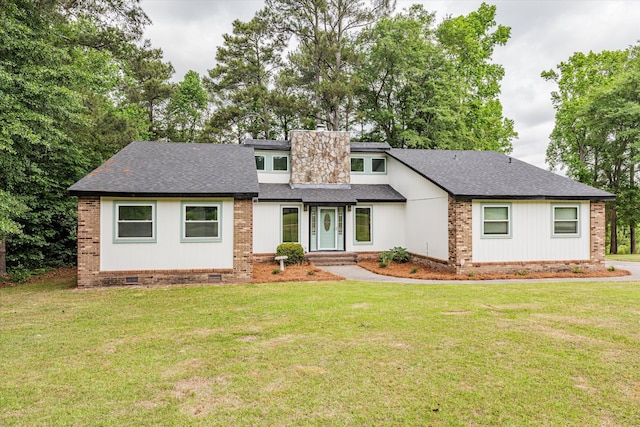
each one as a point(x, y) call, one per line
point(419, 272)
point(266, 273)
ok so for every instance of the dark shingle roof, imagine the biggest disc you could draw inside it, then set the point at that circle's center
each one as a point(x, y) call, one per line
point(491, 175)
point(174, 169)
point(366, 147)
point(333, 196)
point(268, 144)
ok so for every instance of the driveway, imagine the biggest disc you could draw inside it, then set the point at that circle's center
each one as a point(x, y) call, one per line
point(354, 272)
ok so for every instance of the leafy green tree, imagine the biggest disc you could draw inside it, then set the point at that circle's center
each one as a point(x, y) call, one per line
point(470, 42)
point(147, 84)
point(186, 108)
point(52, 67)
point(597, 129)
point(325, 54)
point(415, 92)
point(242, 80)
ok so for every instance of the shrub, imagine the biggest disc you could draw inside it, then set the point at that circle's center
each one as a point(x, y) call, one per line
point(311, 273)
point(612, 268)
point(397, 254)
point(414, 270)
point(276, 271)
point(623, 250)
point(386, 258)
point(293, 251)
point(400, 254)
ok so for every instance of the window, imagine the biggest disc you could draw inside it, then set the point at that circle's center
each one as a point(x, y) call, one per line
point(566, 220)
point(496, 221)
point(280, 163)
point(201, 222)
point(290, 225)
point(357, 164)
point(135, 221)
point(260, 163)
point(363, 225)
point(379, 165)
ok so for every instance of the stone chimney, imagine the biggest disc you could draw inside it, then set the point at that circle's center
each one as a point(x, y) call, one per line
point(320, 159)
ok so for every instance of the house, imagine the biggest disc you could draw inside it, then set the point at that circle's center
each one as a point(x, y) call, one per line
point(199, 213)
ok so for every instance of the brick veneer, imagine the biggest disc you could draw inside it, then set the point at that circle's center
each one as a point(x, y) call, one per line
point(89, 274)
point(88, 240)
point(460, 234)
point(598, 232)
point(242, 240)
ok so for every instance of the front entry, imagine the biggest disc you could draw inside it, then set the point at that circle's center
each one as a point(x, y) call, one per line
point(327, 229)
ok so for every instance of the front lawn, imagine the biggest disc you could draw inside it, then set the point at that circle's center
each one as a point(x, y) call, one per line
point(627, 257)
point(331, 353)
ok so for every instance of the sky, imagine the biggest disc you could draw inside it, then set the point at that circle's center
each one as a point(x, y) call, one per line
point(543, 34)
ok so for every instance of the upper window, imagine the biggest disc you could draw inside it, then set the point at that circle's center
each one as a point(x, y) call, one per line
point(566, 220)
point(280, 163)
point(496, 220)
point(201, 222)
point(357, 164)
point(379, 165)
point(363, 224)
point(290, 224)
point(135, 221)
point(260, 163)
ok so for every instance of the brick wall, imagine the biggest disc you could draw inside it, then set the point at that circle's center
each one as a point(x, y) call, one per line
point(598, 233)
point(242, 240)
point(88, 240)
point(89, 274)
point(460, 234)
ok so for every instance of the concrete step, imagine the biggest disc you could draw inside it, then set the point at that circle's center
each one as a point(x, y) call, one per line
point(332, 258)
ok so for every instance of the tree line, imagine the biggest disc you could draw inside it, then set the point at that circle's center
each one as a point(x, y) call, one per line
point(596, 137)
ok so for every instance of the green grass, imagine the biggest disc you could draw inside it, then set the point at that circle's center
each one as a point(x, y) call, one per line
point(627, 257)
point(343, 353)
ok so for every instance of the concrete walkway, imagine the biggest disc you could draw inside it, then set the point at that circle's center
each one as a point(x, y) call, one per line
point(354, 272)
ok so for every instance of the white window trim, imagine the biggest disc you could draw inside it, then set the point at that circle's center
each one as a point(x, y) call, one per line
point(116, 221)
point(578, 220)
point(355, 240)
point(183, 221)
point(509, 220)
point(282, 208)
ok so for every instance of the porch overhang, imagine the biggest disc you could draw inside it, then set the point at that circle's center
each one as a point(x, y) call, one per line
point(338, 196)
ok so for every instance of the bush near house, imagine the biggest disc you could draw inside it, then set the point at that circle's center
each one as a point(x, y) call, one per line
point(293, 251)
point(397, 254)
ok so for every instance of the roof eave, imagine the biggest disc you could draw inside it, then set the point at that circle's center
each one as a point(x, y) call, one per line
point(530, 197)
point(234, 195)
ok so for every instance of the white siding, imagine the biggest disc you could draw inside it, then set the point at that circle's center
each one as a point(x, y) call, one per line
point(168, 252)
point(267, 226)
point(426, 213)
point(388, 227)
point(531, 235)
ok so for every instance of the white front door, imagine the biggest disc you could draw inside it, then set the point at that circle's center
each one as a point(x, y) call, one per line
point(328, 239)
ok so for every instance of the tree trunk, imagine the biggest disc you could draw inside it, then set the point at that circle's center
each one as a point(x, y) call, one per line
point(3, 256)
point(613, 242)
point(632, 237)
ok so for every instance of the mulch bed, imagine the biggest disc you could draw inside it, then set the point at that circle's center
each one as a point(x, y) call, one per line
point(405, 271)
point(264, 273)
